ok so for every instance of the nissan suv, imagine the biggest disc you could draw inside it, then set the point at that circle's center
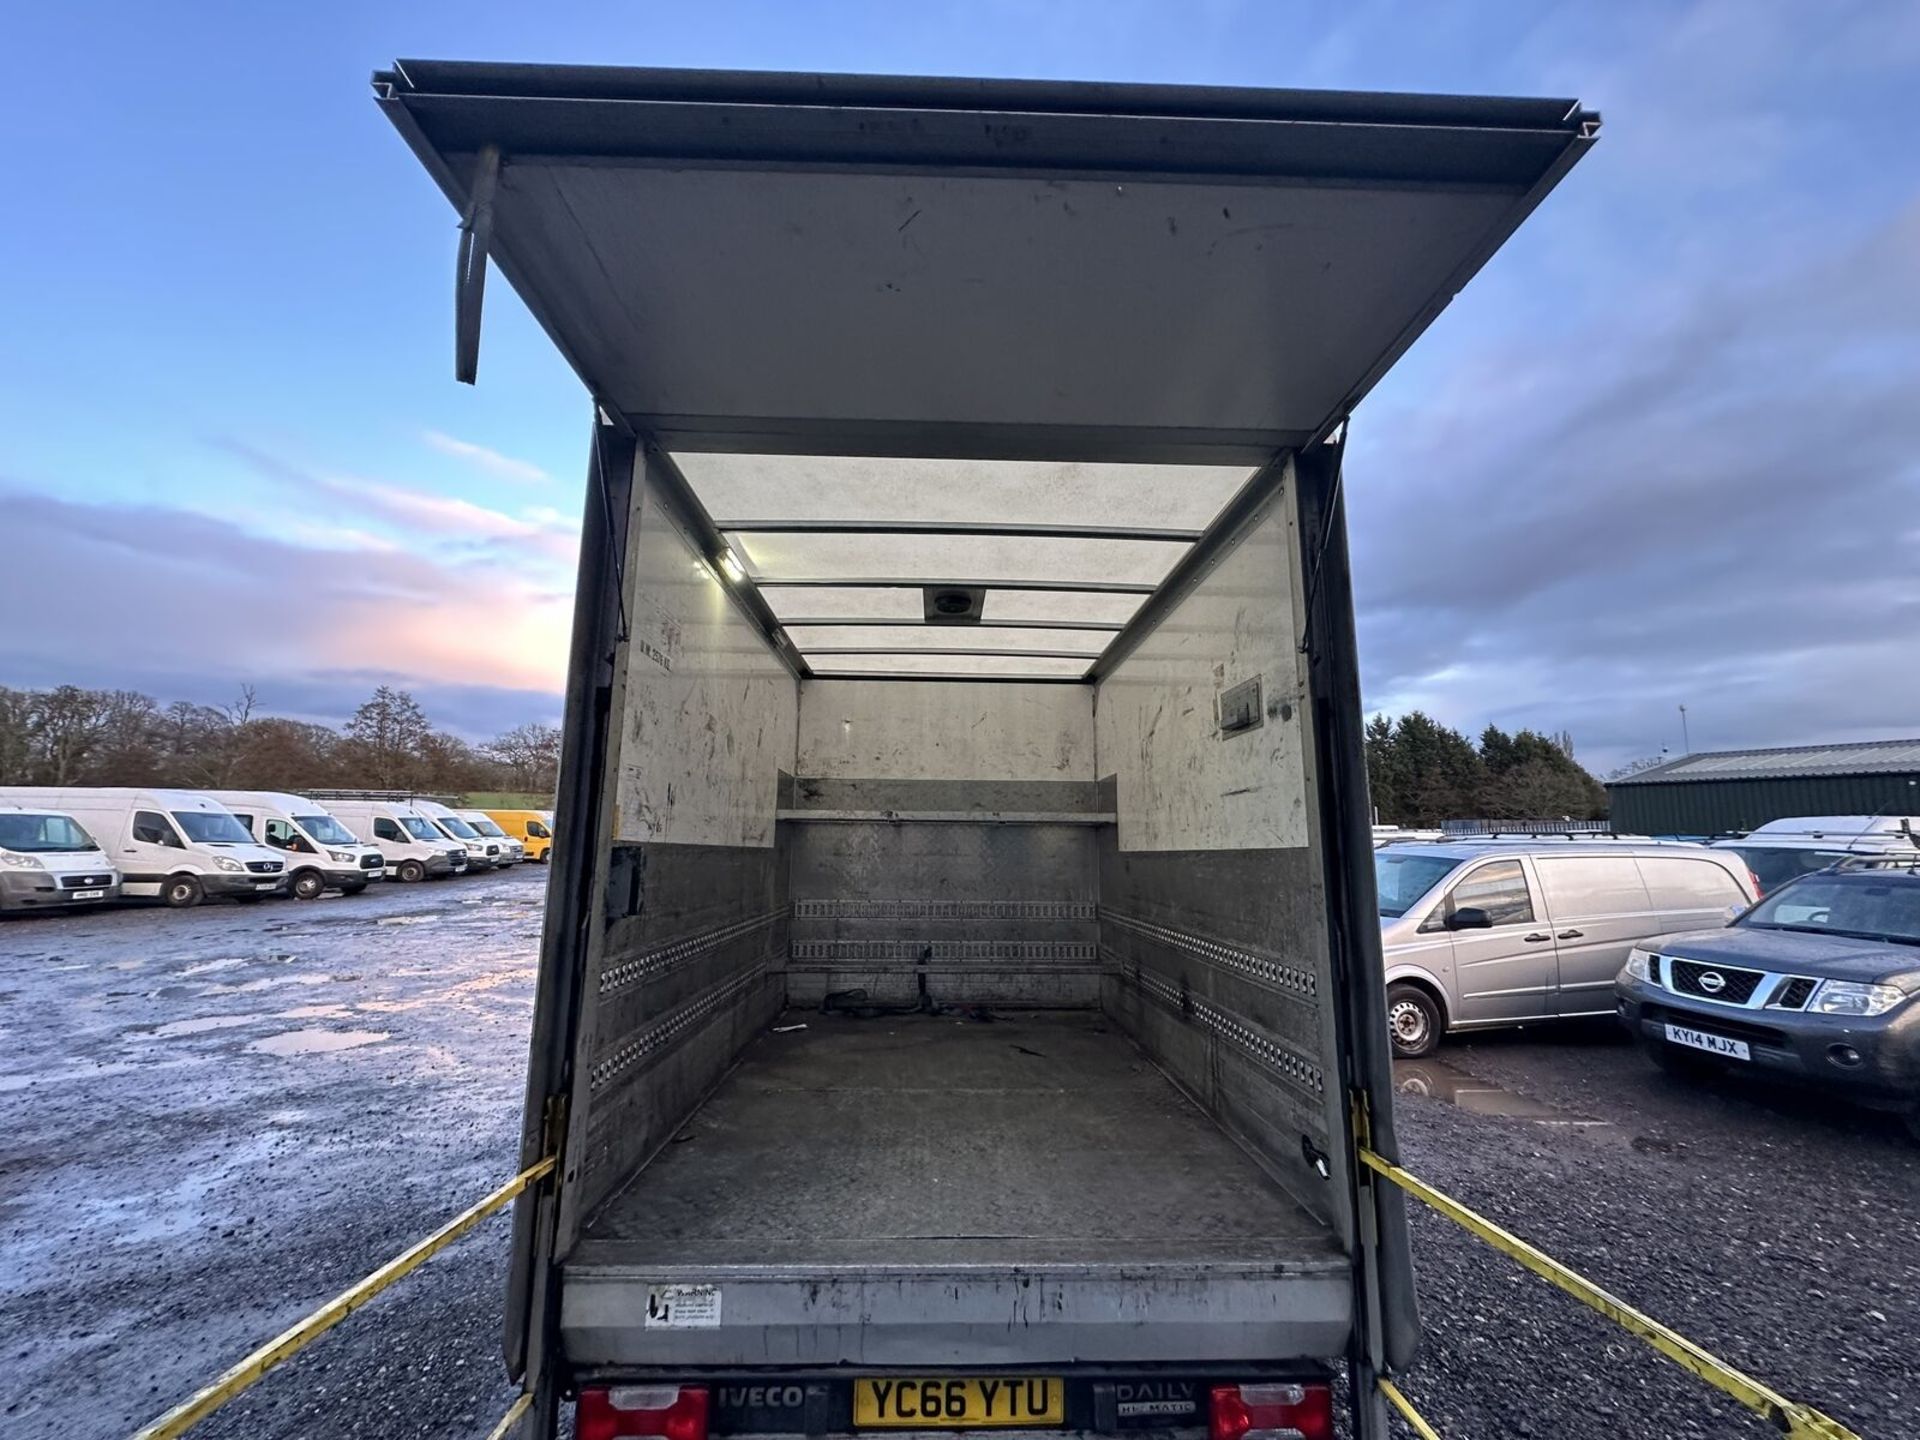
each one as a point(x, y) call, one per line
point(1818, 984)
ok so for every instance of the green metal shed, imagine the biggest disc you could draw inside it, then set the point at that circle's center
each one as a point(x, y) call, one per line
point(1717, 791)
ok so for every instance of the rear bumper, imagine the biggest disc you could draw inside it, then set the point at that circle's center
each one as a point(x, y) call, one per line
point(1793, 1045)
point(970, 1317)
point(1147, 1401)
point(42, 890)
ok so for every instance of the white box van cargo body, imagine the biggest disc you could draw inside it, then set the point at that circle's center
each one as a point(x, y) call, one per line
point(512, 852)
point(412, 845)
point(963, 841)
point(48, 861)
point(482, 853)
point(322, 854)
point(178, 846)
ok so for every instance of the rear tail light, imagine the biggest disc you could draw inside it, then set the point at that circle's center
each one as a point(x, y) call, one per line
point(1271, 1412)
point(1759, 890)
point(677, 1412)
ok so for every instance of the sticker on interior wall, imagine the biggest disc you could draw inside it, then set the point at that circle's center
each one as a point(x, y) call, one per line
point(1240, 708)
point(656, 635)
point(683, 1307)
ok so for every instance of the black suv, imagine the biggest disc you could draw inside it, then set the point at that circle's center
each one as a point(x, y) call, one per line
point(1819, 982)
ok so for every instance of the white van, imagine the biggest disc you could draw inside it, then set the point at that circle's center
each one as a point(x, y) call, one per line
point(179, 846)
point(409, 841)
point(48, 861)
point(512, 851)
point(482, 853)
point(1784, 850)
point(322, 854)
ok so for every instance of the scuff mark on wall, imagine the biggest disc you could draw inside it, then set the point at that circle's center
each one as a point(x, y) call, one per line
point(707, 726)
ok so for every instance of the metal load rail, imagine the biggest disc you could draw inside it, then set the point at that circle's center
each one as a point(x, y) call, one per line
point(1794, 1420)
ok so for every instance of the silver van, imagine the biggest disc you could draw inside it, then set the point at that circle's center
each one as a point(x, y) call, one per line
point(1478, 934)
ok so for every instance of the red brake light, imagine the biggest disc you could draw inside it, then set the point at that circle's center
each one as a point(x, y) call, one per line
point(1759, 890)
point(677, 1412)
point(1287, 1411)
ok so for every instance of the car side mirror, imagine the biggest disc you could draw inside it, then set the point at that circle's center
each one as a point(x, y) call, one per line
point(1469, 917)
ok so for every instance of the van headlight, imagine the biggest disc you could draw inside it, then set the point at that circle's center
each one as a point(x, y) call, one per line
point(221, 862)
point(15, 861)
point(1638, 966)
point(1849, 997)
point(344, 857)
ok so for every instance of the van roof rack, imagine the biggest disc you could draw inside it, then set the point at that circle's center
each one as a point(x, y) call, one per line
point(398, 797)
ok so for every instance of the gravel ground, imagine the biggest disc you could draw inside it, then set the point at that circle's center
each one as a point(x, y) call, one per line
point(184, 1170)
point(1774, 1228)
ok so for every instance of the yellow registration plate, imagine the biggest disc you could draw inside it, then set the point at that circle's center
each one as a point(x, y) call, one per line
point(945, 1404)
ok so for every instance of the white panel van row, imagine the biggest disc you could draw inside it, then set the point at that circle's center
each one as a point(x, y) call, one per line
point(67, 847)
point(177, 846)
point(407, 837)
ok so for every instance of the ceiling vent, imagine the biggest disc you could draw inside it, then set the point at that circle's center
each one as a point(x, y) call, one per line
point(953, 604)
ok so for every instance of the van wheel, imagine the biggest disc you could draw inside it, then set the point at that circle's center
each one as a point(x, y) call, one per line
point(182, 892)
point(309, 885)
point(412, 871)
point(1413, 1021)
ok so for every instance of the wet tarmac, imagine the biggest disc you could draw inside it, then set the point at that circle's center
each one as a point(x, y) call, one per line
point(215, 1119)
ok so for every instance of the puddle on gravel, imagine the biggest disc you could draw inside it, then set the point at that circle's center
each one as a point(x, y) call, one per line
point(207, 967)
point(316, 1042)
point(1437, 1081)
point(313, 1012)
point(199, 1026)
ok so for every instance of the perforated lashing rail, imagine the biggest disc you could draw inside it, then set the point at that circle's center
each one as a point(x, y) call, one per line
point(1288, 979)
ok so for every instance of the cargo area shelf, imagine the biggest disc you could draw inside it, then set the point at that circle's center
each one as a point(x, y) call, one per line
point(927, 1189)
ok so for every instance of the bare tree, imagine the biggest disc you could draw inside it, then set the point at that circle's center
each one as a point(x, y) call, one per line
point(389, 732)
point(531, 752)
point(16, 737)
point(66, 724)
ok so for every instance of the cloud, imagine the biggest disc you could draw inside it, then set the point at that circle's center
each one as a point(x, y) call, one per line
point(420, 516)
point(492, 461)
point(1713, 510)
point(178, 602)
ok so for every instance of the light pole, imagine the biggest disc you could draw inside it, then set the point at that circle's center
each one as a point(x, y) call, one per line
point(1686, 745)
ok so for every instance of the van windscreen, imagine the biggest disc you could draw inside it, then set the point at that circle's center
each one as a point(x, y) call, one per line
point(325, 829)
point(1402, 879)
point(43, 835)
point(420, 827)
point(211, 827)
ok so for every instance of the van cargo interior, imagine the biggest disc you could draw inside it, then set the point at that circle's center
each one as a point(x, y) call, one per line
point(961, 948)
point(945, 954)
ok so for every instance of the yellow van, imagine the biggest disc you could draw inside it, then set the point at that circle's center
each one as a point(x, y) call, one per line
point(532, 828)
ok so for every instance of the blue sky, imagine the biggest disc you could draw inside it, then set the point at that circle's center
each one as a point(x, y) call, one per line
point(1662, 451)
